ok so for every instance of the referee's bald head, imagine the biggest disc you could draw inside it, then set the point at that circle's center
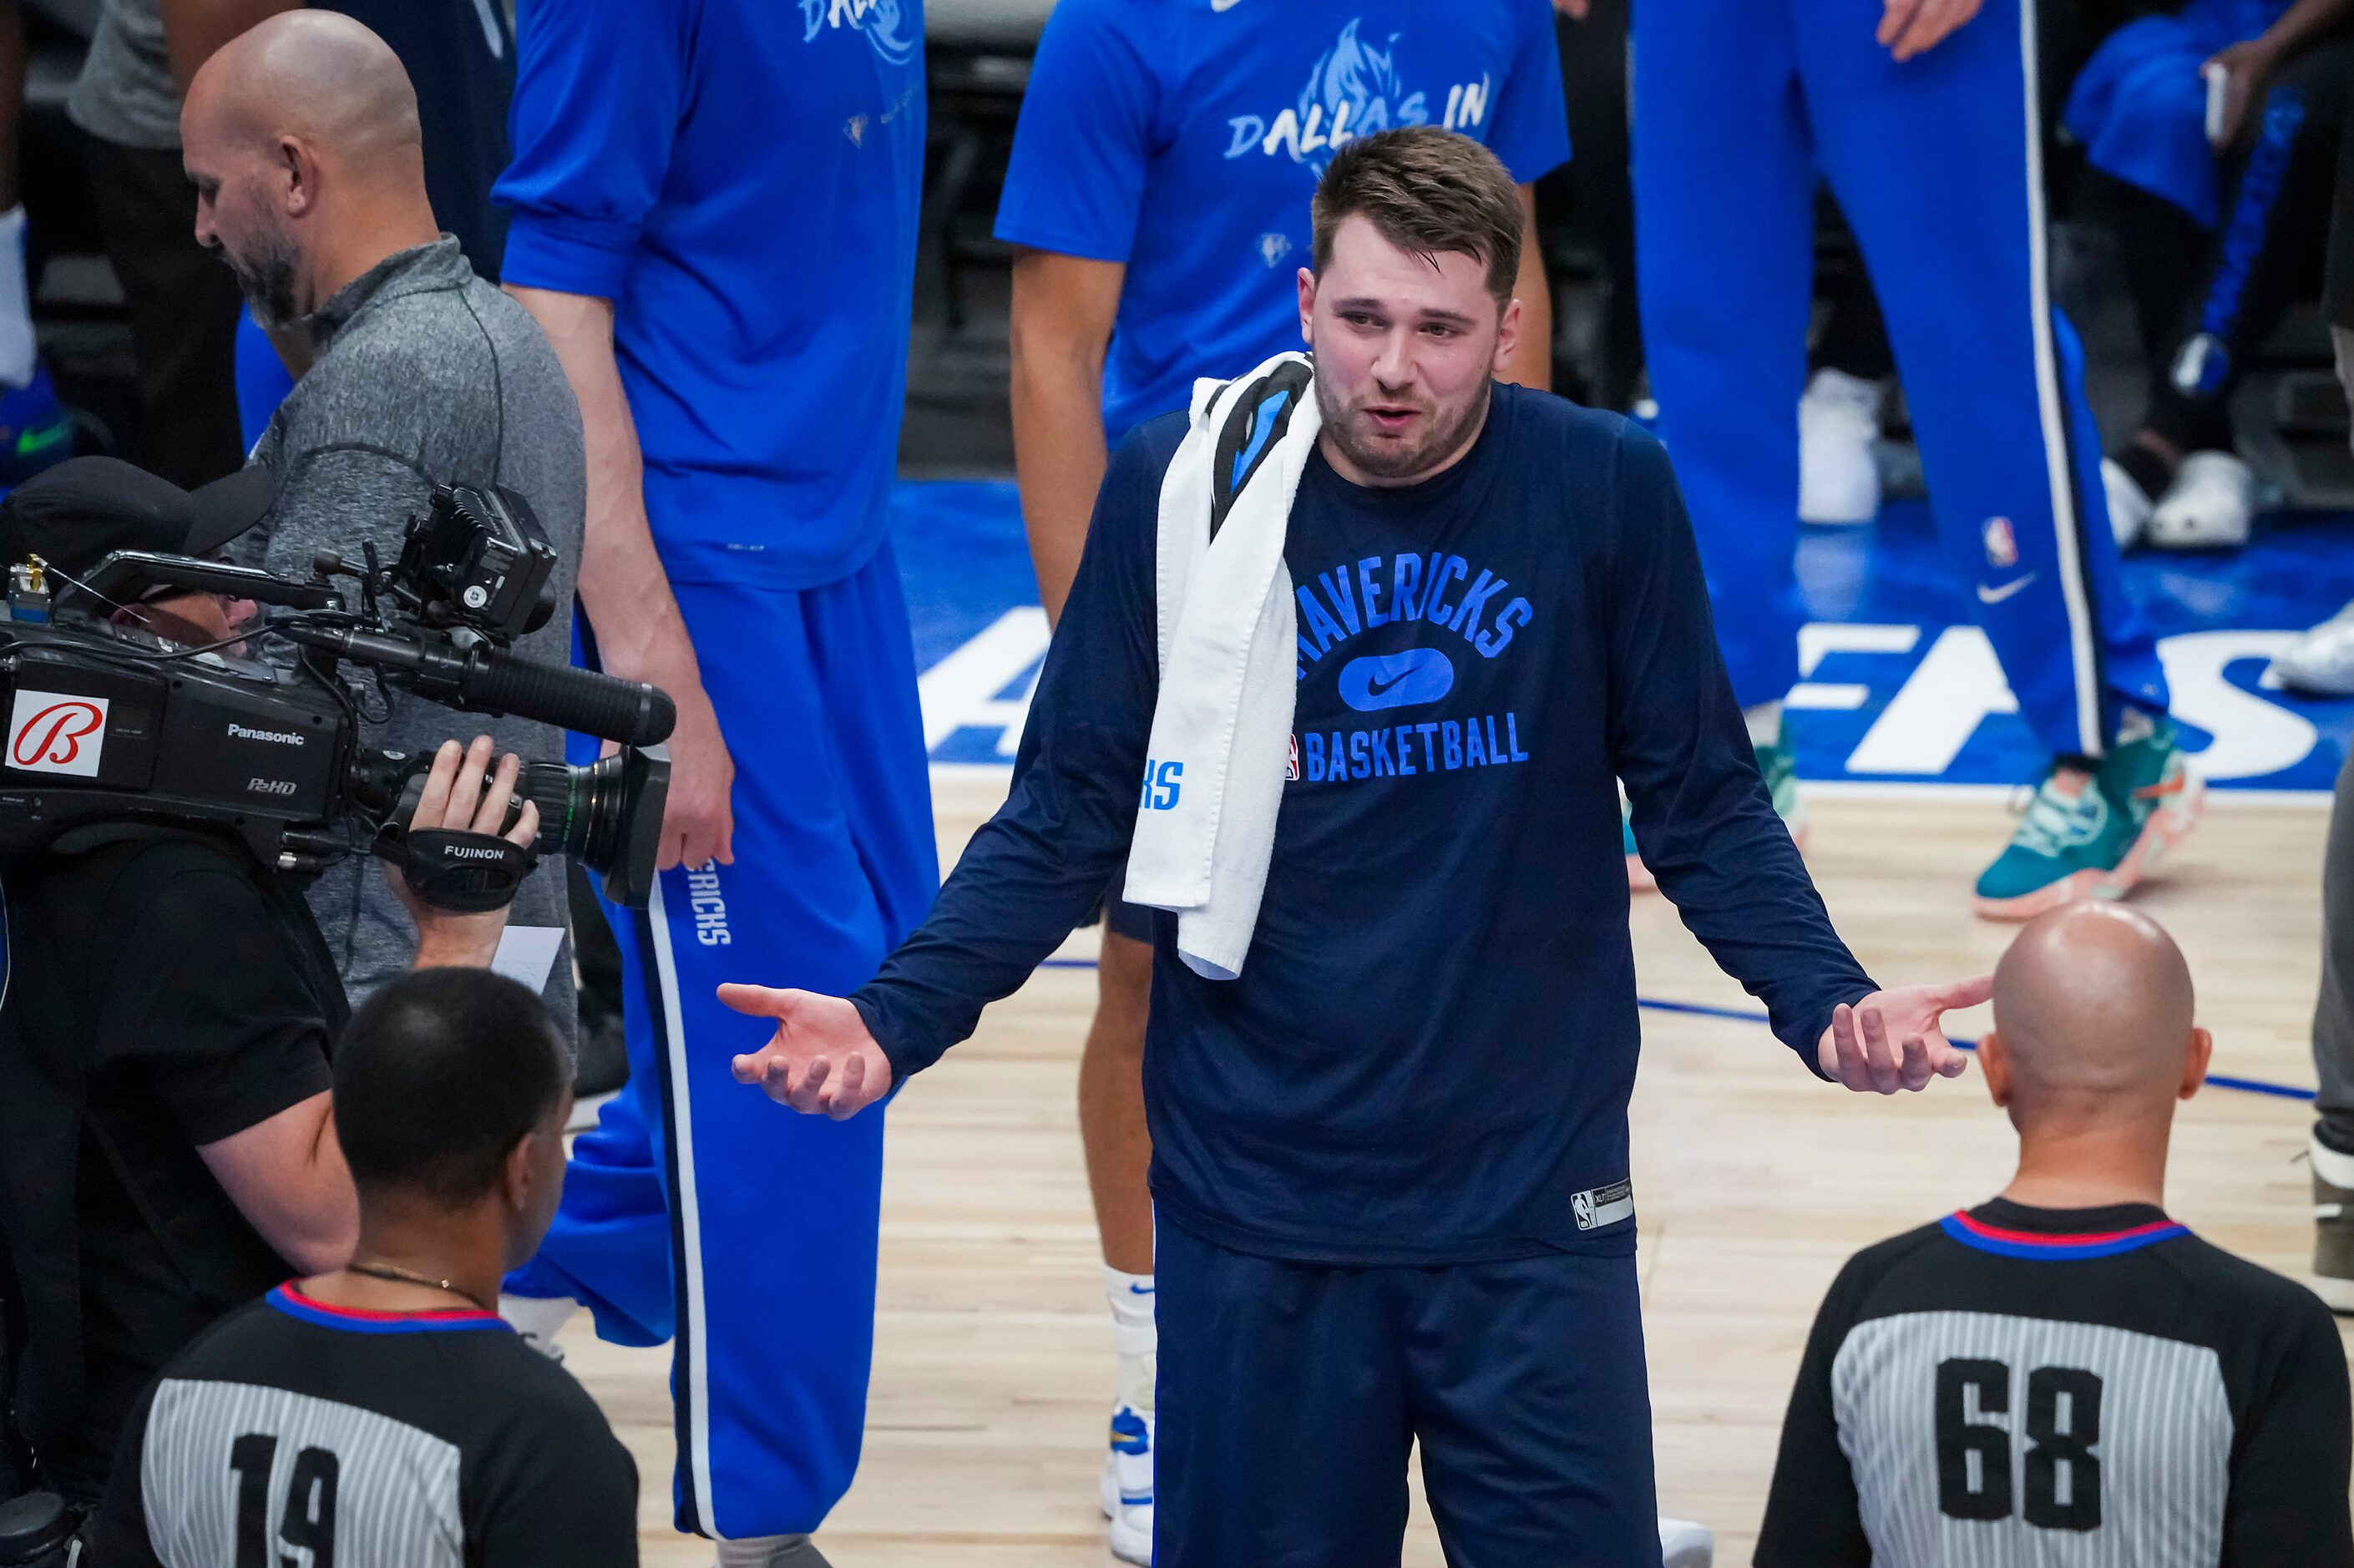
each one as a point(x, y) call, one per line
point(2093, 1012)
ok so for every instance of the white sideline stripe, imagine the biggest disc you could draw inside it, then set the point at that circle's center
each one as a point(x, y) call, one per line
point(2057, 459)
point(681, 1131)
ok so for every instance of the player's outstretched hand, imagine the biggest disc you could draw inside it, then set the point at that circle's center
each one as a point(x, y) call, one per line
point(1911, 27)
point(1895, 1040)
point(822, 1060)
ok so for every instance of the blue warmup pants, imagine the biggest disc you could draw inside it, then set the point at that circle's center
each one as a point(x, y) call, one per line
point(768, 1216)
point(1289, 1393)
point(1740, 106)
point(263, 378)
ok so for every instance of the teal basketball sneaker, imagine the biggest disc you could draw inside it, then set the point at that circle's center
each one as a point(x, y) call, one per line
point(2095, 835)
point(1779, 765)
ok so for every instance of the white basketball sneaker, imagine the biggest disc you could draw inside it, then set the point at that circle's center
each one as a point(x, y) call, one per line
point(1683, 1544)
point(2210, 506)
point(1838, 424)
point(1127, 1484)
point(537, 1318)
point(2321, 662)
point(2129, 504)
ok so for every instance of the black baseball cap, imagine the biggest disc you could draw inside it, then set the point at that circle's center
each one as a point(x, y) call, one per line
point(77, 514)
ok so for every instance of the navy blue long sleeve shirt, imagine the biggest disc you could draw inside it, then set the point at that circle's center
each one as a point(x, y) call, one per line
point(1428, 1053)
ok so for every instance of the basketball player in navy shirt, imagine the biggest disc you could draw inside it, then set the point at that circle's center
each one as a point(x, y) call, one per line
point(2064, 1374)
point(1390, 1159)
point(1157, 199)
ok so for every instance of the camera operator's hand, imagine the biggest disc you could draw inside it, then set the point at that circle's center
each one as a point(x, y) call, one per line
point(455, 799)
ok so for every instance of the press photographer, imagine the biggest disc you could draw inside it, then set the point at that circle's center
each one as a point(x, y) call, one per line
point(167, 1147)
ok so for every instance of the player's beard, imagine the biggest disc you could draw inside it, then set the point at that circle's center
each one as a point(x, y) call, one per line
point(1443, 434)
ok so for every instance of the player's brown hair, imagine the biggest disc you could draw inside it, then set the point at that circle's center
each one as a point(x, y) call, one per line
point(1428, 191)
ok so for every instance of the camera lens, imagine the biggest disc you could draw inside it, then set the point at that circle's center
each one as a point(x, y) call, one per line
point(607, 815)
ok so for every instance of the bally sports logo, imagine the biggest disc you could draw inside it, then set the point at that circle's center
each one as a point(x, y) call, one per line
point(53, 732)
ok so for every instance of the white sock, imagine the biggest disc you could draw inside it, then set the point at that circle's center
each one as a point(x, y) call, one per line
point(16, 302)
point(537, 1318)
point(1133, 1335)
point(1765, 722)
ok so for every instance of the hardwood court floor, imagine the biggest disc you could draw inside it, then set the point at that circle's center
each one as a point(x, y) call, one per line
point(1755, 1182)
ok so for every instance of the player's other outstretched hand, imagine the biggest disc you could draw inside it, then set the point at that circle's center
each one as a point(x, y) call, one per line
point(1895, 1040)
point(822, 1060)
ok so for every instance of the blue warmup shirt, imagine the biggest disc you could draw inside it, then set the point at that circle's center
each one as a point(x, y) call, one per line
point(741, 177)
point(1428, 1053)
point(1185, 139)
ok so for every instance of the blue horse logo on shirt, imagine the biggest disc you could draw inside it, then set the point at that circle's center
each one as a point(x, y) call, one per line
point(1354, 88)
point(883, 21)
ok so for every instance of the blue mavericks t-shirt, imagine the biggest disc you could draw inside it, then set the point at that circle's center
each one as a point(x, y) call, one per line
point(741, 178)
point(1428, 1053)
point(1186, 137)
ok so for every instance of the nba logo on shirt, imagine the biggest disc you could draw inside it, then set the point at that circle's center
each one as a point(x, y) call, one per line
point(54, 732)
point(1291, 768)
point(2001, 544)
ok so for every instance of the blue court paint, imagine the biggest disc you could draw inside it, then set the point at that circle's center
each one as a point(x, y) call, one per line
point(1899, 685)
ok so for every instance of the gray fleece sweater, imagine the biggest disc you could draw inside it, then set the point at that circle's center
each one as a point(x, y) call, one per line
point(425, 375)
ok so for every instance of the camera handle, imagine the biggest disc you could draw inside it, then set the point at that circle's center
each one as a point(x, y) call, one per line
point(454, 869)
point(127, 576)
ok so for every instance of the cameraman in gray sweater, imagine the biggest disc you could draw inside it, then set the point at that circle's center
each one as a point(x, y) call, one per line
point(302, 139)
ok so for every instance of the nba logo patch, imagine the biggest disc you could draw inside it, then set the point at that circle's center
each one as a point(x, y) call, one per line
point(1599, 1207)
point(2001, 544)
point(1291, 768)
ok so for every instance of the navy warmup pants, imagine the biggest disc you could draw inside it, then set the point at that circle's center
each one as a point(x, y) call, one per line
point(1740, 107)
point(697, 1209)
point(1289, 1393)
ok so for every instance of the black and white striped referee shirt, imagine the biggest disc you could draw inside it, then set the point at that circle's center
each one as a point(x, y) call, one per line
point(298, 1434)
point(2087, 1388)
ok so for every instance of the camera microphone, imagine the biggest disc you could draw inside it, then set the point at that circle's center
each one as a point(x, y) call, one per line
point(485, 679)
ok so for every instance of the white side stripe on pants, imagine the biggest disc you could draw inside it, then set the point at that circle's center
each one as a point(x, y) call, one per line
point(2058, 457)
point(682, 1133)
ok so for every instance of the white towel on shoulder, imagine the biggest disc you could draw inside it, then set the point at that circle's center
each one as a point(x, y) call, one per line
point(1229, 667)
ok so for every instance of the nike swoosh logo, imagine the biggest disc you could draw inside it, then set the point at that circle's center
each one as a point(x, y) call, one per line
point(1140, 1290)
point(1996, 595)
point(1376, 688)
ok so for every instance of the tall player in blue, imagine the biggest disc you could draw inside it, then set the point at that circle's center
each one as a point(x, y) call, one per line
point(1158, 196)
point(1922, 116)
point(714, 212)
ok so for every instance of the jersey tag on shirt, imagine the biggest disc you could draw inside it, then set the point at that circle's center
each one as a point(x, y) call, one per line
point(1598, 1206)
